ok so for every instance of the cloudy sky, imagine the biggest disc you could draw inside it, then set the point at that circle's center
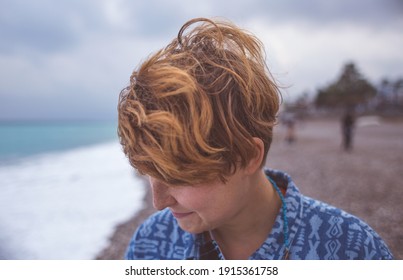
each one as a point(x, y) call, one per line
point(69, 59)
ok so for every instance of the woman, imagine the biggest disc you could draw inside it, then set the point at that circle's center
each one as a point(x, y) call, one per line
point(198, 119)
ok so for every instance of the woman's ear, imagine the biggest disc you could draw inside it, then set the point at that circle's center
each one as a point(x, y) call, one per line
point(256, 162)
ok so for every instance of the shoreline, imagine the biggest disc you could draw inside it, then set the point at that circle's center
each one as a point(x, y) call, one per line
point(123, 232)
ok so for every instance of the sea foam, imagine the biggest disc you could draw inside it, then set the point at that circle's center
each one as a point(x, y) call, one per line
point(65, 205)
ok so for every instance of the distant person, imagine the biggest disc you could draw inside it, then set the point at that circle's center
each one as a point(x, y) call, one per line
point(289, 122)
point(198, 119)
point(348, 121)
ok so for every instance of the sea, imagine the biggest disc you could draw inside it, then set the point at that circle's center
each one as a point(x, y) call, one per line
point(64, 186)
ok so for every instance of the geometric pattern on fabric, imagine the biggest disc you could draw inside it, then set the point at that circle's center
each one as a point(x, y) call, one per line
point(316, 231)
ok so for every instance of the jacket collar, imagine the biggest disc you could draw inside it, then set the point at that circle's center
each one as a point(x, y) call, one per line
point(273, 247)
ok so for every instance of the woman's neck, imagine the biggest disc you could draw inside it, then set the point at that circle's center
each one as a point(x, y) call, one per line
point(244, 234)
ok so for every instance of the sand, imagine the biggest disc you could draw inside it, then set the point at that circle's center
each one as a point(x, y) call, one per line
point(367, 182)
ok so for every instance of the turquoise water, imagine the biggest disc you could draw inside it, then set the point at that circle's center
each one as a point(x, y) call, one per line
point(63, 189)
point(25, 139)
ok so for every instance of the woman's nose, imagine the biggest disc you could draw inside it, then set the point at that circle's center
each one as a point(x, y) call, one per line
point(162, 197)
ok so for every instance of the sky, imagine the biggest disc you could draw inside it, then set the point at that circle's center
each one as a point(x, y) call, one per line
point(69, 59)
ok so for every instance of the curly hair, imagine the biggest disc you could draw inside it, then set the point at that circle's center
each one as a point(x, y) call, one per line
point(192, 109)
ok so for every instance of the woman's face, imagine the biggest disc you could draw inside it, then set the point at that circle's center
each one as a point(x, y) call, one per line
point(203, 207)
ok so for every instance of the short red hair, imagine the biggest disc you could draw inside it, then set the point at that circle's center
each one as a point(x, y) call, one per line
point(191, 110)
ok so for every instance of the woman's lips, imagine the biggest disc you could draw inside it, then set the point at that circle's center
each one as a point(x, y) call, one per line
point(179, 215)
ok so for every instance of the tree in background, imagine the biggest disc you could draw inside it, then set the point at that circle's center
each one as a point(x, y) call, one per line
point(397, 87)
point(390, 94)
point(350, 90)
